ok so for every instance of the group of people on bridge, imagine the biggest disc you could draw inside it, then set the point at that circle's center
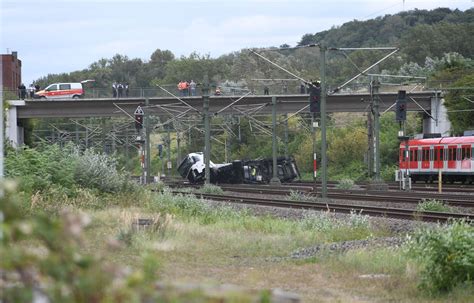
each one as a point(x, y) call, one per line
point(186, 88)
point(29, 92)
point(118, 90)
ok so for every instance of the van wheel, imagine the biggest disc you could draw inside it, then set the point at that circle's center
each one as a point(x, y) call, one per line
point(43, 97)
point(75, 97)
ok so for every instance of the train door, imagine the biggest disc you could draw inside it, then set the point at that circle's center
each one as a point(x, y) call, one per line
point(425, 158)
point(402, 159)
point(414, 158)
point(438, 157)
point(451, 156)
point(466, 157)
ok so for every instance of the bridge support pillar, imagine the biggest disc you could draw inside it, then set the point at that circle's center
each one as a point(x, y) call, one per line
point(14, 133)
point(440, 123)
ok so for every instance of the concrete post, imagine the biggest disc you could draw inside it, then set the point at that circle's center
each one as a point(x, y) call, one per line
point(324, 184)
point(274, 180)
point(14, 132)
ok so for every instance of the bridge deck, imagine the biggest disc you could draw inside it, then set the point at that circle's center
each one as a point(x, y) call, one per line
point(169, 106)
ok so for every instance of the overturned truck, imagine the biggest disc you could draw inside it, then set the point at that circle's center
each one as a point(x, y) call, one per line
point(239, 171)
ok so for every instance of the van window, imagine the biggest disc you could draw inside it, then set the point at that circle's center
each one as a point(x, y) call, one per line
point(52, 87)
point(64, 86)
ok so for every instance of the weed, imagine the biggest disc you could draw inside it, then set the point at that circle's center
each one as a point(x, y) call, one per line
point(298, 196)
point(211, 189)
point(345, 184)
point(433, 205)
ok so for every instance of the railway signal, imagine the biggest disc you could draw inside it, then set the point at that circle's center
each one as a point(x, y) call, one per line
point(401, 106)
point(139, 118)
point(315, 97)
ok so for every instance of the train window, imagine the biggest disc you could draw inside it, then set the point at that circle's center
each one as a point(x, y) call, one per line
point(425, 155)
point(466, 153)
point(441, 154)
point(436, 154)
point(412, 155)
point(451, 154)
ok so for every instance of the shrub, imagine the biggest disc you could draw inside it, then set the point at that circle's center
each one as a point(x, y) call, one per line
point(49, 166)
point(99, 171)
point(345, 184)
point(446, 254)
point(433, 205)
point(39, 169)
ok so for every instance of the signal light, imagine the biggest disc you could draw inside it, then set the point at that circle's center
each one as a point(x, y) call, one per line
point(138, 121)
point(315, 98)
point(401, 106)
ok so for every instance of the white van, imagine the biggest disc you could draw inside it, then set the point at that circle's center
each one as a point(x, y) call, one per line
point(62, 91)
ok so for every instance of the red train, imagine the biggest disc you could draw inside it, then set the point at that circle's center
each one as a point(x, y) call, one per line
point(426, 157)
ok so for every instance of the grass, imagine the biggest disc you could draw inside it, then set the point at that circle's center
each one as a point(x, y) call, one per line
point(200, 243)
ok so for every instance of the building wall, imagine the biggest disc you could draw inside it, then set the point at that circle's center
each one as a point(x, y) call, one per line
point(11, 72)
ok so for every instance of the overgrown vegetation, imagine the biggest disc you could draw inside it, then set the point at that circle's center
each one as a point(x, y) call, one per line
point(41, 259)
point(65, 170)
point(299, 196)
point(433, 205)
point(345, 184)
point(445, 254)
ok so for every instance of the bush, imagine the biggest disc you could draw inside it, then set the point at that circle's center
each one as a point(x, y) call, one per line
point(345, 184)
point(49, 168)
point(446, 254)
point(433, 205)
point(99, 171)
point(39, 169)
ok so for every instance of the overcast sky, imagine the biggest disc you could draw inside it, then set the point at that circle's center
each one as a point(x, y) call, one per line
point(55, 36)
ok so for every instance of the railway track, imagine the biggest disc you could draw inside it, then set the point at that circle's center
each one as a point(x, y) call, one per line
point(431, 187)
point(361, 195)
point(342, 208)
point(356, 195)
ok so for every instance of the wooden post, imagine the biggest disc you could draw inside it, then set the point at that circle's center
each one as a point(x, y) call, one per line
point(440, 181)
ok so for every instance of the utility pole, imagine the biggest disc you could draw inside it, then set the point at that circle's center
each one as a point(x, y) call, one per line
point(147, 142)
point(286, 135)
point(322, 51)
point(207, 130)
point(370, 139)
point(274, 180)
point(375, 91)
point(168, 143)
point(178, 149)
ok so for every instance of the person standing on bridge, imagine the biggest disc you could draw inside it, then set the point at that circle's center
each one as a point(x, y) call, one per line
point(192, 87)
point(114, 89)
point(266, 90)
point(120, 90)
point(22, 91)
point(126, 89)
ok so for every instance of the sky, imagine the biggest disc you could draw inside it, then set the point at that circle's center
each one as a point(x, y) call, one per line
point(61, 36)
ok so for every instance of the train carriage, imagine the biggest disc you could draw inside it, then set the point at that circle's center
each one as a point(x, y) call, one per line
point(423, 159)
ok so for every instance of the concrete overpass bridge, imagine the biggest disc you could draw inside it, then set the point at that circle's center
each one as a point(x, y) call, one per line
point(428, 102)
